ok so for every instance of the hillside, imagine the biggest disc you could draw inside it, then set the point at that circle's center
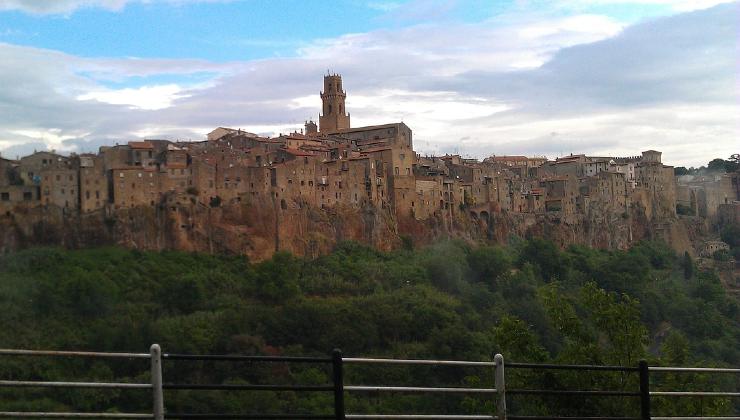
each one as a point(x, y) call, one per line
point(529, 301)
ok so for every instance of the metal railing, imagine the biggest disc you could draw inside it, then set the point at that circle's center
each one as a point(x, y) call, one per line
point(154, 355)
point(499, 390)
point(713, 394)
point(335, 361)
point(496, 395)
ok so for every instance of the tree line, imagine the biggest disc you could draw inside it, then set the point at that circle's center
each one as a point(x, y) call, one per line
point(529, 300)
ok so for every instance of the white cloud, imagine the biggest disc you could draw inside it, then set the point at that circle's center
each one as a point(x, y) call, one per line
point(69, 6)
point(145, 97)
point(676, 5)
point(511, 84)
point(383, 6)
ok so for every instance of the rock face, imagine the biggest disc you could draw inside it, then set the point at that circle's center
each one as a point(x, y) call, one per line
point(258, 229)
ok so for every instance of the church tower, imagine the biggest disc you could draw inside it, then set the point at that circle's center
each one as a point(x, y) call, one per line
point(334, 116)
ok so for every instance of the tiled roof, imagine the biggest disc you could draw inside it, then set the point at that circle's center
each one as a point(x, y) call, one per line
point(140, 145)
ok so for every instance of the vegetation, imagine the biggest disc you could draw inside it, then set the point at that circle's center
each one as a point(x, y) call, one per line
point(715, 165)
point(530, 301)
point(730, 235)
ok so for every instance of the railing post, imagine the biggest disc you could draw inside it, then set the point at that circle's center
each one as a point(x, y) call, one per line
point(500, 385)
point(338, 379)
point(644, 390)
point(157, 396)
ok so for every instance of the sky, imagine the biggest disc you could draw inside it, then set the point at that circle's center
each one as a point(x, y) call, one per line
point(476, 78)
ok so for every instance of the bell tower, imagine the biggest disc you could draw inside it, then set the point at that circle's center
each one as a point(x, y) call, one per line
point(334, 116)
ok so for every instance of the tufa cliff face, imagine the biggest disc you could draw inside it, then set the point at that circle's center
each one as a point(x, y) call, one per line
point(260, 228)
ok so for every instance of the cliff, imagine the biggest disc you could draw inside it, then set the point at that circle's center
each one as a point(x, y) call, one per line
point(258, 228)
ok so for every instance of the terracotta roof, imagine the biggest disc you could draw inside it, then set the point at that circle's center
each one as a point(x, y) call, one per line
point(140, 145)
point(508, 158)
point(296, 152)
point(376, 149)
point(367, 128)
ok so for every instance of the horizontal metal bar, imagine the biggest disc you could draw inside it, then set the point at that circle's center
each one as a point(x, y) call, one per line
point(571, 418)
point(44, 384)
point(570, 367)
point(695, 418)
point(691, 369)
point(418, 389)
point(250, 387)
point(11, 352)
point(238, 358)
point(248, 416)
point(41, 414)
point(573, 392)
point(415, 362)
point(693, 394)
point(372, 388)
point(420, 416)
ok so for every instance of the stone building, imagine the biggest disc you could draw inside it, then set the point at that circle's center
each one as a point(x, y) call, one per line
point(334, 114)
point(337, 165)
point(93, 183)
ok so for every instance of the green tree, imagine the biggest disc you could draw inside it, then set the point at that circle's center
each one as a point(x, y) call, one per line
point(688, 266)
point(489, 263)
point(546, 257)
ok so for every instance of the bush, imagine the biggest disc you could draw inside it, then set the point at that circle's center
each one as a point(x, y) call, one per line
point(731, 235)
point(722, 255)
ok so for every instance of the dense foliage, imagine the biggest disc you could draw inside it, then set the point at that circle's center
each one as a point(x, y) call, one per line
point(715, 165)
point(529, 301)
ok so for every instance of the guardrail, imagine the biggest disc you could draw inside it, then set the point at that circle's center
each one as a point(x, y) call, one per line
point(714, 394)
point(335, 387)
point(154, 355)
point(338, 388)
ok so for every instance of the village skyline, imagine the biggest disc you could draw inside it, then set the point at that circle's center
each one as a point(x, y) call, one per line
point(472, 78)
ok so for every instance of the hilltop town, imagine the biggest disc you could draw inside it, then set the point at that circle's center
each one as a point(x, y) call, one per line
point(194, 187)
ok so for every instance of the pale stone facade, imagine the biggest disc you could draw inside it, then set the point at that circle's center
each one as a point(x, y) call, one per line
point(336, 164)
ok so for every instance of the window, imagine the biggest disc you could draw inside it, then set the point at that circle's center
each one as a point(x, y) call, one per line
point(396, 170)
point(4, 196)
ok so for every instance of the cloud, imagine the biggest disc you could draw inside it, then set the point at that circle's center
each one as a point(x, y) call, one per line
point(676, 5)
point(45, 7)
point(384, 6)
point(145, 97)
point(517, 84)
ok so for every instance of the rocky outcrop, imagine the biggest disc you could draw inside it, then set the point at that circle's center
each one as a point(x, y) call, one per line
point(258, 228)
